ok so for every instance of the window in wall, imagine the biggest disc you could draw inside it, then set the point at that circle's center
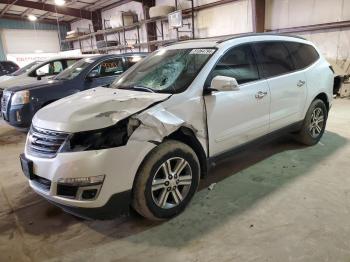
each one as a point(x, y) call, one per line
point(239, 62)
point(274, 58)
point(303, 55)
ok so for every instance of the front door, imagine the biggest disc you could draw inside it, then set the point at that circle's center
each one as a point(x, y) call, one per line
point(236, 117)
point(106, 72)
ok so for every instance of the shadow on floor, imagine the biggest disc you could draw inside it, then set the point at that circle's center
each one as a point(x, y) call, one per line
point(242, 180)
point(12, 136)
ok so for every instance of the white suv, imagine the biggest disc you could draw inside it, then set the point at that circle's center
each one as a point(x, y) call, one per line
point(146, 141)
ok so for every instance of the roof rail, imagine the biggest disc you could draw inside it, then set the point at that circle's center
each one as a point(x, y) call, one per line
point(256, 34)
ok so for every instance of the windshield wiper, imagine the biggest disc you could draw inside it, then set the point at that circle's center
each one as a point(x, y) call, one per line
point(140, 88)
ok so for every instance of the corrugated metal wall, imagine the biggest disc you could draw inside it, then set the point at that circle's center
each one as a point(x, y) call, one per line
point(18, 24)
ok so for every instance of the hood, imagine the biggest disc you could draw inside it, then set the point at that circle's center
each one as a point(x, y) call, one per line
point(36, 85)
point(19, 81)
point(94, 109)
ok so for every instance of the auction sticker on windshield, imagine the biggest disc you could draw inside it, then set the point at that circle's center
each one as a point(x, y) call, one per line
point(202, 51)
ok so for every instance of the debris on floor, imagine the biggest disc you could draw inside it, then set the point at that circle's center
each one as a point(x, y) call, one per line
point(211, 187)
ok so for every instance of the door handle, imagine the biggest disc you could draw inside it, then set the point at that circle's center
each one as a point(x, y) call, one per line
point(260, 95)
point(300, 83)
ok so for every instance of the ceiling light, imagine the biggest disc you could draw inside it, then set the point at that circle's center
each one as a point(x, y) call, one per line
point(60, 2)
point(32, 17)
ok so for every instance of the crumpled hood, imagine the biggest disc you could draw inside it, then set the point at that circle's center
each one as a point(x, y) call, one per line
point(94, 109)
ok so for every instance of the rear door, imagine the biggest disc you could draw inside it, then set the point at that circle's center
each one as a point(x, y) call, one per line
point(107, 71)
point(236, 117)
point(287, 85)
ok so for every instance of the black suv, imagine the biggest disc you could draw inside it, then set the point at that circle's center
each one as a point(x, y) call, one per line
point(7, 67)
point(20, 103)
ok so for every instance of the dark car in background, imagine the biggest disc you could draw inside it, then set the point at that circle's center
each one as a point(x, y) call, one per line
point(36, 71)
point(21, 102)
point(7, 67)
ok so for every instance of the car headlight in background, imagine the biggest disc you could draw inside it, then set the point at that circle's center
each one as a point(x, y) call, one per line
point(20, 98)
point(113, 136)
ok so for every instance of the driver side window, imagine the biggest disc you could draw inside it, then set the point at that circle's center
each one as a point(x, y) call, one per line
point(239, 63)
point(109, 67)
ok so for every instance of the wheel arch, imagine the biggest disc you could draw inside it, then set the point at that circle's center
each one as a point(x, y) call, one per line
point(187, 136)
point(323, 96)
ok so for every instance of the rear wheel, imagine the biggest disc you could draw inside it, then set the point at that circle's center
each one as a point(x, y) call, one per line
point(314, 123)
point(166, 181)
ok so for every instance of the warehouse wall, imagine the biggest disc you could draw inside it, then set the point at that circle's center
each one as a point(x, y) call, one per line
point(334, 44)
point(86, 44)
point(114, 15)
point(26, 25)
point(230, 18)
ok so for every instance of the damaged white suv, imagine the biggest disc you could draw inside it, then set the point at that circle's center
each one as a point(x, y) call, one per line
point(146, 141)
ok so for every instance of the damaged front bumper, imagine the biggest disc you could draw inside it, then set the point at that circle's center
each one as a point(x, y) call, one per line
point(110, 196)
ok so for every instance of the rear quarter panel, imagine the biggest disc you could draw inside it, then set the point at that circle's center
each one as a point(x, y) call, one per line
point(319, 79)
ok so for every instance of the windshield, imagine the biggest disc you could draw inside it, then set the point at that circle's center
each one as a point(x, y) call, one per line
point(165, 71)
point(26, 68)
point(75, 69)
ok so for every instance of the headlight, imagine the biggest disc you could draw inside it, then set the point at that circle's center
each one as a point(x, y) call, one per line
point(20, 98)
point(82, 181)
point(109, 137)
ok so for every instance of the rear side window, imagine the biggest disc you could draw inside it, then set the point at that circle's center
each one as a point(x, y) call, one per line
point(303, 55)
point(274, 58)
point(238, 63)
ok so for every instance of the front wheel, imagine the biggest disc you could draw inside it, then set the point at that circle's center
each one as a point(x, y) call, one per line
point(166, 181)
point(314, 123)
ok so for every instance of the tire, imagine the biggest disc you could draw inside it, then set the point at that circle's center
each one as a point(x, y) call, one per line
point(155, 194)
point(310, 134)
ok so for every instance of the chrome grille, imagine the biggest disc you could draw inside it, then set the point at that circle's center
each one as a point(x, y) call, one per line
point(4, 102)
point(45, 143)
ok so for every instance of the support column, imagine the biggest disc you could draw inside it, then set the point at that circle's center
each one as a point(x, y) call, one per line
point(258, 7)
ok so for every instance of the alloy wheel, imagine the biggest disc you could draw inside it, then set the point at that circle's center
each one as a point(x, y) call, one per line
point(317, 122)
point(171, 183)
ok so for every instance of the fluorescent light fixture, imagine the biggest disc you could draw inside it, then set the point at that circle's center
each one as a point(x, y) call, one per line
point(60, 2)
point(32, 17)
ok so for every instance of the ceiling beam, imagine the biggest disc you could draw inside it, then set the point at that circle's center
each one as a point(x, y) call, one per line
point(27, 12)
point(51, 8)
point(7, 7)
point(46, 21)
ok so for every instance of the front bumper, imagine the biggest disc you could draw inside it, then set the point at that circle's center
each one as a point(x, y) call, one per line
point(119, 166)
point(19, 116)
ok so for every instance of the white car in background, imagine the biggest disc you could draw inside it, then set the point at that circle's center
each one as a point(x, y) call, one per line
point(36, 71)
point(146, 141)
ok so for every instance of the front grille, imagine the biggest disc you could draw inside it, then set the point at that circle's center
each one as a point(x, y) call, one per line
point(41, 182)
point(4, 102)
point(45, 143)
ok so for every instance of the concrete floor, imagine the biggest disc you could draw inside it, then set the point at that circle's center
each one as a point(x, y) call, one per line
point(278, 202)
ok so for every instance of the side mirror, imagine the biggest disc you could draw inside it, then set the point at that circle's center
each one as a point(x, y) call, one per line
point(224, 83)
point(92, 74)
point(39, 74)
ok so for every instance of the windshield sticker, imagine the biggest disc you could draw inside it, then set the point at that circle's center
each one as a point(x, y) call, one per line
point(202, 51)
